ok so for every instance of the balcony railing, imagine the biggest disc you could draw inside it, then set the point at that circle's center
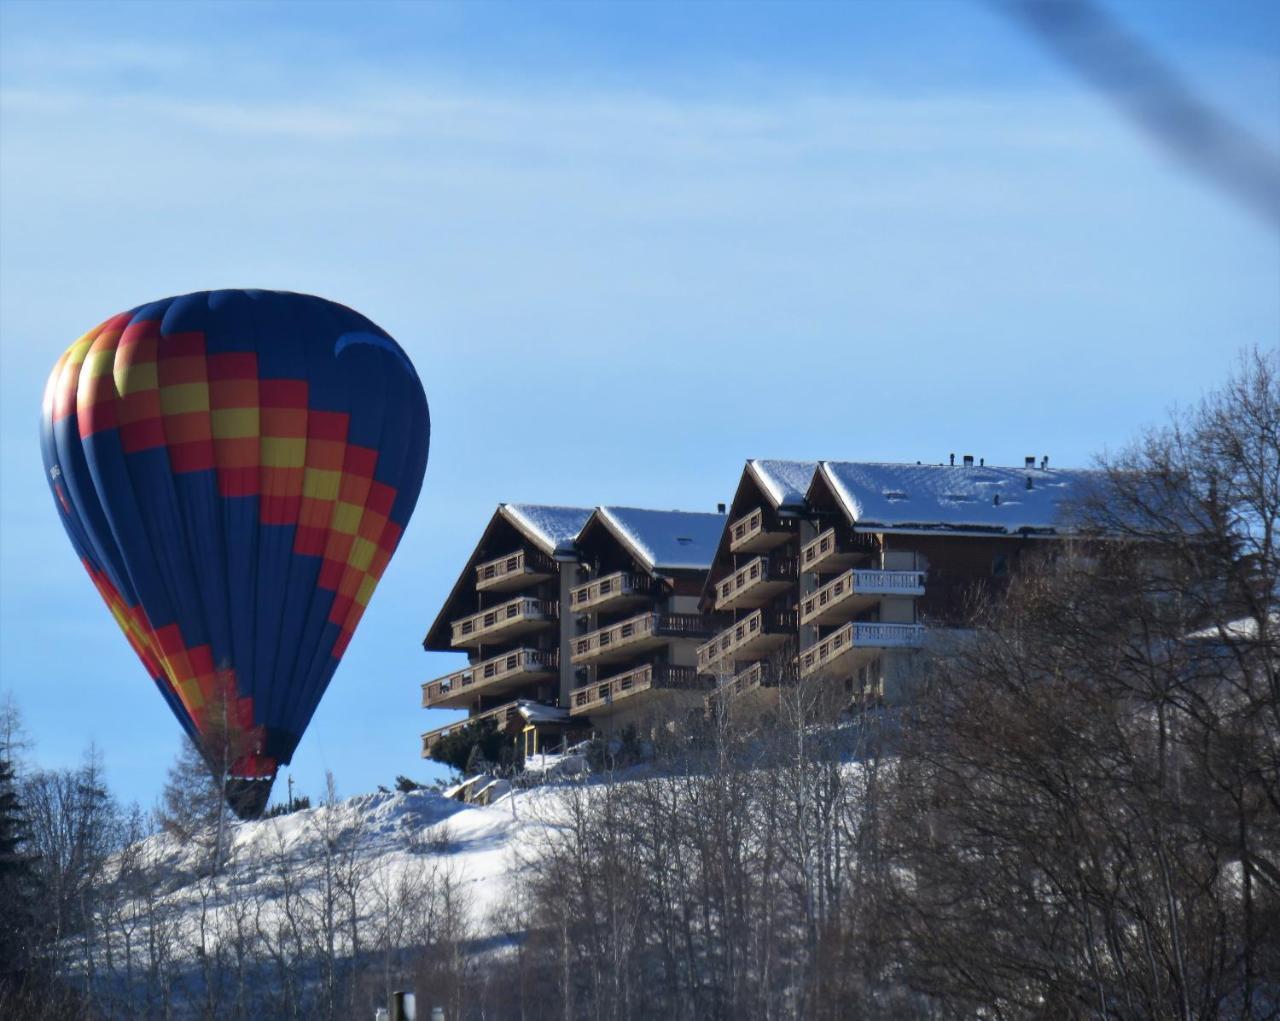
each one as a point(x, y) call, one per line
point(504, 715)
point(510, 670)
point(636, 634)
point(753, 637)
point(611, 592)
point(649, 677)
point(514, 571)
point(866, 638)
point(754, 680)
point(515, 617)
point(854, 590)
point(749, 534)
point(828, 553)
point(755, 583)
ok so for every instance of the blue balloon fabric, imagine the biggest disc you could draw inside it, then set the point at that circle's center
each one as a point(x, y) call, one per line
point(235, 470)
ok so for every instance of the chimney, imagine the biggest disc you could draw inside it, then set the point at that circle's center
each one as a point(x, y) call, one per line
point(996, 501)
point(719, 508)
point(953, 460)
point(1030, 462)
point(982, 462)
point(1044, 462)
point(968, 460)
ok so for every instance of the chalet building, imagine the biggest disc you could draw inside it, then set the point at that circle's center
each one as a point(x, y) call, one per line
point(575, 619)
point(637, 612)
point(504, 613)
point(571, 618)
point(754, 585)
point(886, 557)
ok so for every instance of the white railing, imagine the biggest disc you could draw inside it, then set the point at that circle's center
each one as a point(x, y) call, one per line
point(859, 635)
point(860, 582)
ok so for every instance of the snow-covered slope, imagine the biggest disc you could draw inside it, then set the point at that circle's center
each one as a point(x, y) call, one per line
point(374, 843)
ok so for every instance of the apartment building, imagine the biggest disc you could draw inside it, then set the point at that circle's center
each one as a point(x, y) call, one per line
point(754, 584)
point(504, 613)
point(637, 611)
point(573, 617)
point(888, 555)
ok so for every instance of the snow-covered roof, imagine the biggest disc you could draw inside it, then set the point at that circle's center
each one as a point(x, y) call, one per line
point(667, 540)
point(536, 712)
point(1244, 629)
point(915, 497)
point(786, 482)
point(552, 528)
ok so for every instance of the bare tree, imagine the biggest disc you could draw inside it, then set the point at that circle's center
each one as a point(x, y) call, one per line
point(1087, 806)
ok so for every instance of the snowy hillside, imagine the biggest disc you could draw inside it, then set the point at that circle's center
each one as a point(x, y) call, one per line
point(320, 874)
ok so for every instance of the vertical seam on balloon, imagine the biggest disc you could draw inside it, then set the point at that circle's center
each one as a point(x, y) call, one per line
point(298, 564)
point(183, 546)
point(280, 690)
point(147, 629)
point(225, 676)
point(161, 657)
point(302, 678)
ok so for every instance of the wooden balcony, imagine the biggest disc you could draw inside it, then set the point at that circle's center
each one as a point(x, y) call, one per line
point(853, 591)
point(857, 642)
point(515, 571)
point(827, 553)
point(755, 636)
point(611, 592)
point(749, 535)
point(504, 622)
point(604, 696)
point(636, 635)
point(489, 677)
point(753, 687)
point(503, 715)
point(755, 583)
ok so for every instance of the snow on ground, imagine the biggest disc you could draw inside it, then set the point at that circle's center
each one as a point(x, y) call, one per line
point(393, 836)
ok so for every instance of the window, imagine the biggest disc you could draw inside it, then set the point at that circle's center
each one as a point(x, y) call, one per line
point(1000, 565)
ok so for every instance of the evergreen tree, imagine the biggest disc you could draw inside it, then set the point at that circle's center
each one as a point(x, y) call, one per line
point(18, 884)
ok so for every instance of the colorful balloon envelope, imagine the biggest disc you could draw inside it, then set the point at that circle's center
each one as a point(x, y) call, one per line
point(235, 470)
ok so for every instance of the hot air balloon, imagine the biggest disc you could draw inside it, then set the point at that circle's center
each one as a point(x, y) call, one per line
point(235, 470)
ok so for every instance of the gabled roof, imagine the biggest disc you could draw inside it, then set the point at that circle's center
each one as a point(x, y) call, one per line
point(786, 483)
point(665, 540)
point(928, 497)
point(551, 528)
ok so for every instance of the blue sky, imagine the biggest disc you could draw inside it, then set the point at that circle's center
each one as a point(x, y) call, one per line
point(654, 218)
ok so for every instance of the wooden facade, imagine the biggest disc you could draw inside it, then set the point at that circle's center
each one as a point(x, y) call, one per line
point(636, 615)
point(505, 613)
point(627, 611)
point(590, 622)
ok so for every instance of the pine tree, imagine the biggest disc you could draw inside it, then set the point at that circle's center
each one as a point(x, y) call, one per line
point(18, 884)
